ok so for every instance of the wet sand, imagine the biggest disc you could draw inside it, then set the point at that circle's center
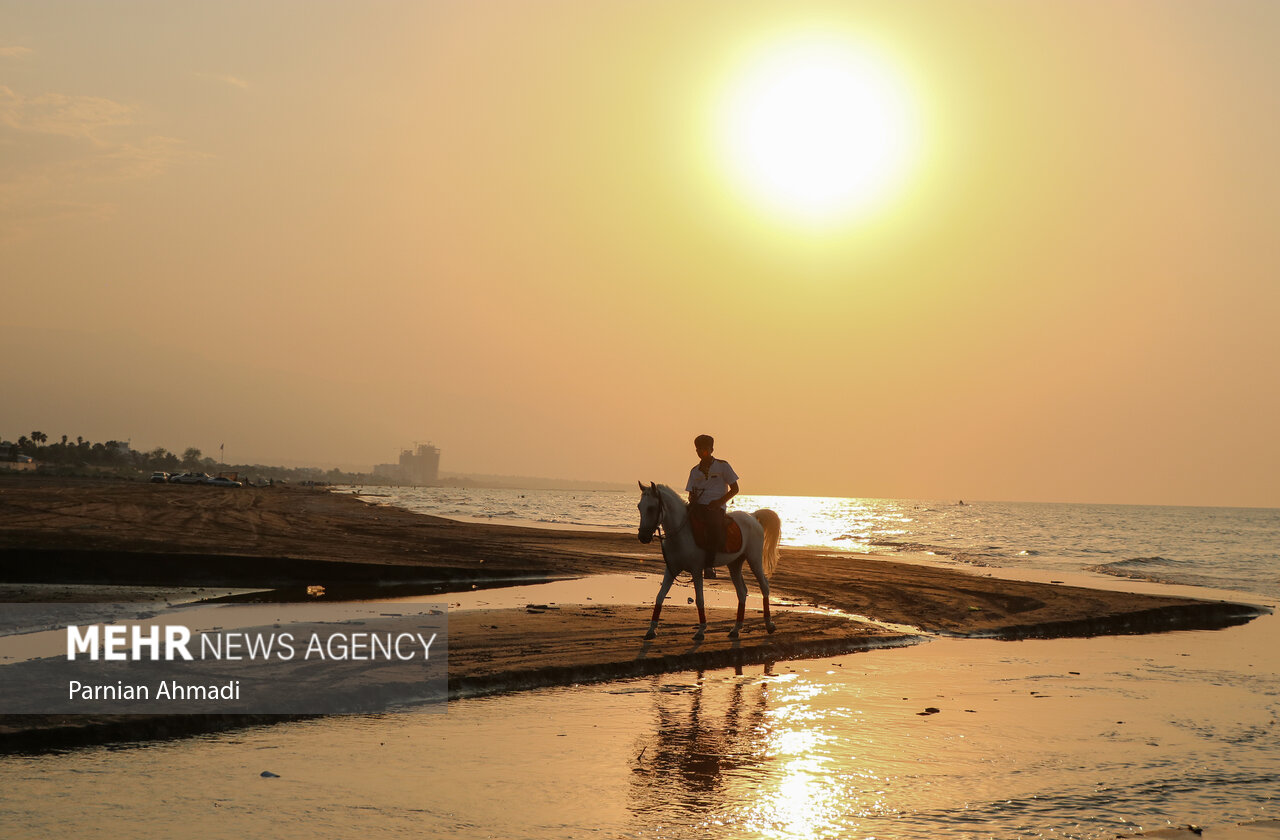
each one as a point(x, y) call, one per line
point(56, 533)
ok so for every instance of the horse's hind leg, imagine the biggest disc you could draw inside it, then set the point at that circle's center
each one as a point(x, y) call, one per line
point(740, 586)
point(667, 580)
point(757, 568)
point(702, 609)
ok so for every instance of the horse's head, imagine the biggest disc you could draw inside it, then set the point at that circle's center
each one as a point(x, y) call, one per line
point(650, 511)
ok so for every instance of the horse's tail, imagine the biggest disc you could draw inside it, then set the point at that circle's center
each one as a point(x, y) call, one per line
point(772, 534)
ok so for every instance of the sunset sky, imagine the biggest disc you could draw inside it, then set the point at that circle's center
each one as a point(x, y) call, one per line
point(319, 232)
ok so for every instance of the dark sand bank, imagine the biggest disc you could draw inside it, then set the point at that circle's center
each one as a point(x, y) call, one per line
point(494, 651)
point(188, 537)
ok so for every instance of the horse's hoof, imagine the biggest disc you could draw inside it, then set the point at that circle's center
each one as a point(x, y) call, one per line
point(650, 635)
point(733, 634)
point(771, 627)
point(699, 636)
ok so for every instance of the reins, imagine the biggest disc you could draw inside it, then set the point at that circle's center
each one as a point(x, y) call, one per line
point(658, 530)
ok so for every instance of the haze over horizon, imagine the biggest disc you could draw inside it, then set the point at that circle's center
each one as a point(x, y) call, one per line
point(318, 233)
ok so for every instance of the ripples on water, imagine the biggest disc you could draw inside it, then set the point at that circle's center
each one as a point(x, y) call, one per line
point(1221, 548)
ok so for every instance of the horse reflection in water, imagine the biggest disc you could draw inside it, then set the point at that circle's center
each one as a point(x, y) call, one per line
point(660, 506)
point(689, 758)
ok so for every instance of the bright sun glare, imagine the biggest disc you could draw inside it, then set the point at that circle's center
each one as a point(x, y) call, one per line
point(820, 129)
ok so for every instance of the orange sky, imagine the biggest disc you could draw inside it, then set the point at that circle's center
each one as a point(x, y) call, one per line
point(320, 232)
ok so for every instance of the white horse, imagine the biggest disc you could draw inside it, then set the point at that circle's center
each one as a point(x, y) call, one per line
point(662, 506)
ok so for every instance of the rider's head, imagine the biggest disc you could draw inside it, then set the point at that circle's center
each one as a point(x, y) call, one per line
point(704, 443)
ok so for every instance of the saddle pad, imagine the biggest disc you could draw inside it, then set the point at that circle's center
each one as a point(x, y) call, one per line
point(732, 535)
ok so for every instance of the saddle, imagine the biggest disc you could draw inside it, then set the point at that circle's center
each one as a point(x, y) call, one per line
point(732, 536)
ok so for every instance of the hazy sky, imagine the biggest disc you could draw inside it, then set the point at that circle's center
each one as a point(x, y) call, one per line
point(319, 232)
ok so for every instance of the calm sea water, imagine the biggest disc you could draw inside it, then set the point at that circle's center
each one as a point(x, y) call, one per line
point(1071, 738)
point(1234, 549)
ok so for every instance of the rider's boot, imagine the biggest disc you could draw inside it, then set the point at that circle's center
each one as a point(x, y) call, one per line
point(709, 566)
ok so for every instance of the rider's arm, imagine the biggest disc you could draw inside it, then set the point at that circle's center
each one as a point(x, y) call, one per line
point(724, 500)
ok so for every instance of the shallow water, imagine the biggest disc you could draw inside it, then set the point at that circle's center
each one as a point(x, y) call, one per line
point(1061, 738)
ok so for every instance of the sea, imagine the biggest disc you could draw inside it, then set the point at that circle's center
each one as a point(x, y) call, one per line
point(949, 738)
point(1235, 549)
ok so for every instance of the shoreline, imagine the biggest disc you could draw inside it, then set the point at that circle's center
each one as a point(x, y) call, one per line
point(138, 536)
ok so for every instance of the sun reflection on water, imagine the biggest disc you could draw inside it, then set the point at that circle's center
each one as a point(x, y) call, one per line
point(805, 802)
point(813, 793)
point(848, 524)
point(764, 755)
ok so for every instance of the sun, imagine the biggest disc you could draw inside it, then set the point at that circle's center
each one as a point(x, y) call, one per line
point(818, 128)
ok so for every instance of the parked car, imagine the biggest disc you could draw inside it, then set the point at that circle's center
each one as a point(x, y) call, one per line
point(159, 477)
point(223, 481)
point(190, 478)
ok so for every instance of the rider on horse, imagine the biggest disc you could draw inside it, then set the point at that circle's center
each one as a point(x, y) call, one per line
point(712, 483)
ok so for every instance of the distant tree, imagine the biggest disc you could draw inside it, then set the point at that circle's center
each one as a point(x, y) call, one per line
point(24, 445)
point(39, 437)
point(163, 460)
point(115, 453)
point(56, 453)
point(191, 458)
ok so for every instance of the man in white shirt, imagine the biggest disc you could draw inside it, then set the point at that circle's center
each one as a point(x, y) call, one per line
point(712, 483)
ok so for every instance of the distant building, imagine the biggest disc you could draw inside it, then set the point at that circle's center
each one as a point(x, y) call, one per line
point(422, 466)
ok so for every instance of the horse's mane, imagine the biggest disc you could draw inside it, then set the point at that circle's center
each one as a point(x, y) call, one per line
point(671, 501)
point(670, 495)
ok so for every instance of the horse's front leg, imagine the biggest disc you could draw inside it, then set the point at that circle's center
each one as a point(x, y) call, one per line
point(702, 610)
point(667, 580)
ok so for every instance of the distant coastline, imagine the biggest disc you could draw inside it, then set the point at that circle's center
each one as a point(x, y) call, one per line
point(34, 454)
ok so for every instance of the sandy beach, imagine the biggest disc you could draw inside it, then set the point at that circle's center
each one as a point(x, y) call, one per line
point(87, 540)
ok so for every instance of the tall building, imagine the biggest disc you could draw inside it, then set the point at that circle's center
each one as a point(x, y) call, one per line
point(422, 466)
